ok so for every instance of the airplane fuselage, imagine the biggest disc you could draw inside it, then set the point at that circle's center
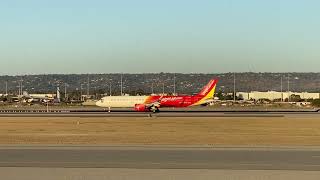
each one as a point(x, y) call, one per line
point(165, 101)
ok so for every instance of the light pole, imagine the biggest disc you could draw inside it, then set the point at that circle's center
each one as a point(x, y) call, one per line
point(281, 88)
point(234, 87)
point(174, 84)
point(19, 86)
point(88, 86)
point(163, 89)
point(47, 99)
point(288, 87)
point(6, 88)
point(81, 92)
point(65, 92)
point(110, 89)
point(121, 85)
point(152, 91)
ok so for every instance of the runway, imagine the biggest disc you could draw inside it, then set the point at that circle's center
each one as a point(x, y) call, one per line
point(161, 158)
point(24, 113)
point(139, 114)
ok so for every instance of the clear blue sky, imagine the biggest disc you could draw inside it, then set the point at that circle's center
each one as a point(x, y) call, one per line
point(208, 36)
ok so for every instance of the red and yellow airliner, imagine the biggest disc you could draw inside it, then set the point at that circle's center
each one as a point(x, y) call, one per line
point(153, 103)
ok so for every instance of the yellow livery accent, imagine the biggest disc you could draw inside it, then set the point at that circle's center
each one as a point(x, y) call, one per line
point(208, 95)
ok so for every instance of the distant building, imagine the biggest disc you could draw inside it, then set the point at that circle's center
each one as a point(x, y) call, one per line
point(274, 95)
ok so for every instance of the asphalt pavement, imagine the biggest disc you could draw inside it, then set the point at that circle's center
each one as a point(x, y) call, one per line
point(161, 158)
point(161, 114)
point(154, 174)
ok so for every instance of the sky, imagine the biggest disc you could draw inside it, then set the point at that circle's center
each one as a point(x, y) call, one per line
point(183, 36)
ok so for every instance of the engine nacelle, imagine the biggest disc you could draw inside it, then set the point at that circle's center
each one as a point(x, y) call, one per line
point(141, 108)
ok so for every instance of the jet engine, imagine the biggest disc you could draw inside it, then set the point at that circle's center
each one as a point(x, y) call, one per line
point(141, 108)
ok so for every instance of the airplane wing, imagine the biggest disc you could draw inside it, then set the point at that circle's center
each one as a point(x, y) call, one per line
point(155, 105)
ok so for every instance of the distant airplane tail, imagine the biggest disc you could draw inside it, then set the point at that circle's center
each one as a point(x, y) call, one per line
point(25, 94)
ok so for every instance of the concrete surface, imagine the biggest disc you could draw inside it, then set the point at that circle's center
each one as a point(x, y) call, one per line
point(154, 174)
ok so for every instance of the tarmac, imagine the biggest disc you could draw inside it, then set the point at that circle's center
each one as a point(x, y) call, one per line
point(154, 174)
point(161, 162)
point(308, 114)
point(301, 159)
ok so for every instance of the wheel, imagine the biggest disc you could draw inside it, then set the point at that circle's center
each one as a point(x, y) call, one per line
point(155, 110)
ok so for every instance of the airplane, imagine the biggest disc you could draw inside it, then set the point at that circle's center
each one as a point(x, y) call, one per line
point(153, 103)
point(40, 98)
point(34, 98)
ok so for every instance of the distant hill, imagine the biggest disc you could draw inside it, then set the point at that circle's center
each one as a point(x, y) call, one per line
point(142, 83)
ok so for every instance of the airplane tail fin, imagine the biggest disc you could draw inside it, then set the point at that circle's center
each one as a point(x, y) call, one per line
point(209, 89)
point(25, 94)
point(207, 92)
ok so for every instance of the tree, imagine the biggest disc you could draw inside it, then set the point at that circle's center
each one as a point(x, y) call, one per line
point(220, 95)
point(3, 99)
point(316, 102)
point(228, 97)
point(295, 98)
point(140, 92)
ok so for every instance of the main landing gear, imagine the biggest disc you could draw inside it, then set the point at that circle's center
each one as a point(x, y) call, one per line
point(155, 109)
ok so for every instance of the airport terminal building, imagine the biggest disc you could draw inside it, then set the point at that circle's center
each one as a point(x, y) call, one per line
point(274, 95)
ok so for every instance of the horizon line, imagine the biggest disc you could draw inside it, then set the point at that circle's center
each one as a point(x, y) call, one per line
point(119, 73)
